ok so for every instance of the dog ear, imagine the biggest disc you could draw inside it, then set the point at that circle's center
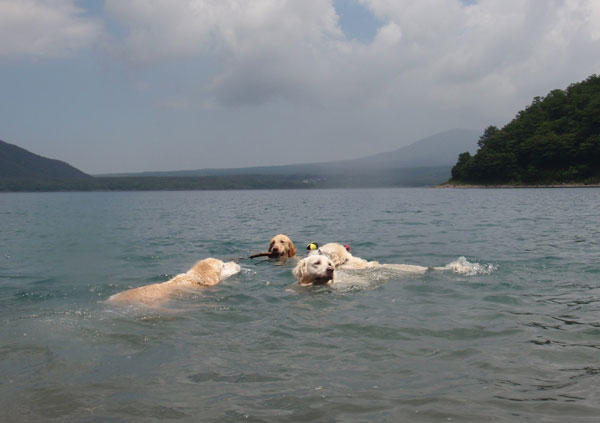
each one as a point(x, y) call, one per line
point(292, 251)
point(299, 270)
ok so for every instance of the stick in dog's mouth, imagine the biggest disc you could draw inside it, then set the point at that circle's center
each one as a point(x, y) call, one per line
point(263, 254)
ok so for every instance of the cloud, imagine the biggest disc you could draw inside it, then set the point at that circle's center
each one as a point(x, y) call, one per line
point(267, 50)
point(156, 30)
point(274, 70)
point(263, 49)
point(44, 28)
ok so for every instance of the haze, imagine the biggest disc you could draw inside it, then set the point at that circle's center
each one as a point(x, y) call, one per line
point(140, 85)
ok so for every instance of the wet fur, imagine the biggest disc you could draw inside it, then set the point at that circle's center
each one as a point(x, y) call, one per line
point(342, 259)
point(281, 246)
point(206, 272)
point(314, 270)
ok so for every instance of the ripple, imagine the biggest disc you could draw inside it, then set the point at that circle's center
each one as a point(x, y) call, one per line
point(232, 378)
point(510, 334)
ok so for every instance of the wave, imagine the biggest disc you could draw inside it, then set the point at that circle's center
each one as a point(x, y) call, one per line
point(464, 267)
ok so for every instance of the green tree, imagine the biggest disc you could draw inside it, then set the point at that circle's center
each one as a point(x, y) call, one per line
point(555, 139)
point(460, 169)
point(489, 132)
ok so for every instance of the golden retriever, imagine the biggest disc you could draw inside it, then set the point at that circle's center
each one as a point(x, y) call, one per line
point(342, 259)
point(206, 272)
point(314, 270)
point(281, 246)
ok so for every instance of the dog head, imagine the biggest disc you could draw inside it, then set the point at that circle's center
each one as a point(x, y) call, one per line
point(314, 270)
point(337, 253)
point(281, 246)
point(211, 271)
point(229, 268)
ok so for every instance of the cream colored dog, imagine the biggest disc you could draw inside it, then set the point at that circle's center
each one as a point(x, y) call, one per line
point(206, 272)
point(342, 259)
point(281, 246)
point(314, 270)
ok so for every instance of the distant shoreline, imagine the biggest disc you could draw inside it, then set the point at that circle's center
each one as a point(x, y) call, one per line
point(500, 186)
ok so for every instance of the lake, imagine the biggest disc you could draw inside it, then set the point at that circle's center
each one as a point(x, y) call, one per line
point(515, 339)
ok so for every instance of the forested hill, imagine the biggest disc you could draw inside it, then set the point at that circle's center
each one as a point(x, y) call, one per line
point(16, 162)
point(554, 140)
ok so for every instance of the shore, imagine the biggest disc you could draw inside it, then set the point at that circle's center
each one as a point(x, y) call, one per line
point(468, 186)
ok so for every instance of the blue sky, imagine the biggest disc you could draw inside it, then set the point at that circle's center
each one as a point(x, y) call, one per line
point(115, 86)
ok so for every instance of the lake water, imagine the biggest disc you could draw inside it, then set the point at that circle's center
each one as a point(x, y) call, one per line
point(515, 339)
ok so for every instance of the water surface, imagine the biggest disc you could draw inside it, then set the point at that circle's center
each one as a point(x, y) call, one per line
point(516, 339)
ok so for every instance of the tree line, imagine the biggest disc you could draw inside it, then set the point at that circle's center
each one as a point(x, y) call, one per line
point(556, 139)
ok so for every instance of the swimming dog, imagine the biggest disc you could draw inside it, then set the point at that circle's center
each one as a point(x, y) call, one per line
point(314, 270)
point(206, 272)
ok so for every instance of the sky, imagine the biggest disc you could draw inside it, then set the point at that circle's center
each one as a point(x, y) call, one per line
point(146, 85)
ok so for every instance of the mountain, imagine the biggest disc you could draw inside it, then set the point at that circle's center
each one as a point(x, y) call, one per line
point(18, 163)
point(439, 151)
point(424, 163)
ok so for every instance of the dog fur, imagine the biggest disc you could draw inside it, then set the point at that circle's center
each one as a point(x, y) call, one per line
point(342, 259)
point(281, 246)
point(206, 272)
point(314, 270)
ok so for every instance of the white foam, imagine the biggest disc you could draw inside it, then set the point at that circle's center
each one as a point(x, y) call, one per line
point(344, 278)
point(351, 279)
point(464, 267)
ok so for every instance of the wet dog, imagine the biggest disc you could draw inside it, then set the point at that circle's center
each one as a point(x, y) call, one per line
point(314, 270)
point(343, 259)
point(206, 272)
point(281, 246)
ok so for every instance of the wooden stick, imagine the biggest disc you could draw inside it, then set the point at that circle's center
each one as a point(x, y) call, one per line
point(260, 255)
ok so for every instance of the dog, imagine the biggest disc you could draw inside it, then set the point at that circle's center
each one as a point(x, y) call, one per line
point(314, 270)
point(343, 259)
point(281, 246)
point(206, 272)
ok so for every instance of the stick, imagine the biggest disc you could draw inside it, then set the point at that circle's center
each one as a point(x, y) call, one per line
point(259, 255)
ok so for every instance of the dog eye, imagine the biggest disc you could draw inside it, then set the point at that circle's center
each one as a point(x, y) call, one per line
point(318, 262)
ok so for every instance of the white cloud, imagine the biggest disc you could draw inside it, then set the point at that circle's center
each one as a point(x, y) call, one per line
point(44, 28)
point(262, 49)
point(489, 58)
point(295, 50)
point(388, 35)
point(162, 29)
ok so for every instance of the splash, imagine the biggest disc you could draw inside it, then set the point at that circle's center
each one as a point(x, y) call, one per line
point(464, 267)
point(373, 277)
